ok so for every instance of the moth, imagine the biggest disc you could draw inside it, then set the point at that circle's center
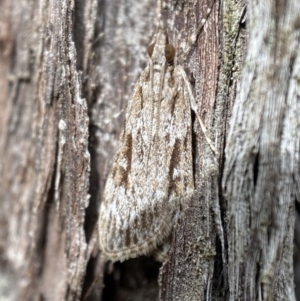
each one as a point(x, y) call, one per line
point(151, 179)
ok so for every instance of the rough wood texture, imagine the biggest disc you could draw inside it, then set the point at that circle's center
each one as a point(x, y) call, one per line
point(262, 157)
point(67, 69)
point(198, 265)
point(57, 58)
point(44, 158)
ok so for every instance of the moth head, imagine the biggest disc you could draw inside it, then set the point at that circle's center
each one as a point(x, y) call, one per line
point(160, 49)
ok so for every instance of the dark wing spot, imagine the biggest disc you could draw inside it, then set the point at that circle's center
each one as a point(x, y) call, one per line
point(167, 138)
point(174, 162)
point(127, 238)
point(136, 222)
point(140, 92)
point(174, 102)
point(143, 219)
point(171, 79)
point(135, 240)
point(147, 77)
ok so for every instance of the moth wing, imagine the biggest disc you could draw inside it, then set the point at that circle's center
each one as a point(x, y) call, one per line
point(152, 173)
point(175, 133)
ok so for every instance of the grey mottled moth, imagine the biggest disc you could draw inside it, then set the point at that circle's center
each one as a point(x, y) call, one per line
point(151, 178)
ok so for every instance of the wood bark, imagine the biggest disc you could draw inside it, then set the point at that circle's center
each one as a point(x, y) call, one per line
point(67, 69)
point(262, 157)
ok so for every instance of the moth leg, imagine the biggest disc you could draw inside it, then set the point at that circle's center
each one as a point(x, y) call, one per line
point(194, 108)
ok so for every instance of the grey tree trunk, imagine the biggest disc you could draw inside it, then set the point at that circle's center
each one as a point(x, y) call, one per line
point(261, 173)
point(67, 69)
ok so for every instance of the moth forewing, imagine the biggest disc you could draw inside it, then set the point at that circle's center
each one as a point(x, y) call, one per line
point(152, 172)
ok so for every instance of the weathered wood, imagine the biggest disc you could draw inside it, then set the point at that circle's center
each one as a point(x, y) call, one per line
point(67, 69)
point(262, 157)
point(44, 158)
point(197, 269)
